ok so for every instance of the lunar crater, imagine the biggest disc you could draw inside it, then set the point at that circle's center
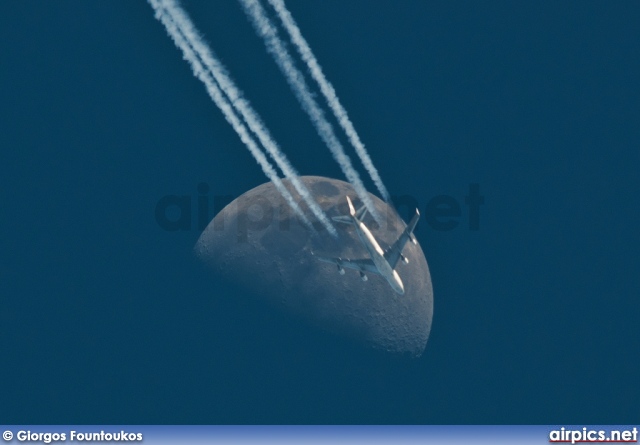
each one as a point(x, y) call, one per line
point(273, 256)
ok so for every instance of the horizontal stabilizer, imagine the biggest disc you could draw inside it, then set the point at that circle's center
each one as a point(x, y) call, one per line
point(343, 219)
point(361, 213)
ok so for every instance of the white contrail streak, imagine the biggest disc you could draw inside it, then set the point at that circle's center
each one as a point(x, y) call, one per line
point(242, 106)
point(219, 99)
point(328, 92)
point(275, 46)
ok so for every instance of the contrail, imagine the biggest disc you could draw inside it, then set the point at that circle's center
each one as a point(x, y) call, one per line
point(275, 46)
point(219, 99)
point(235, 96)
point(328, 92)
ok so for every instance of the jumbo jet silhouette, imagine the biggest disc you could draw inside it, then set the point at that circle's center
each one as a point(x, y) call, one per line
point(381, 262)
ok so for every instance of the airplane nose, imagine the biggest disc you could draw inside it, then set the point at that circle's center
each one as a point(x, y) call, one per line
point(397, 283)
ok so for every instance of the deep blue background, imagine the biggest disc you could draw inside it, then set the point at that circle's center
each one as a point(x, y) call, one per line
point(107, 318)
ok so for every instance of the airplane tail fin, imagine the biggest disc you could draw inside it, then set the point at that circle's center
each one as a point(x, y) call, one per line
point(357, 214)
point(352, 211)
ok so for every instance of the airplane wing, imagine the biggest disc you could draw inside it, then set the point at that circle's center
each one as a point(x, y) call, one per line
point(363, 265)
point(393, 254)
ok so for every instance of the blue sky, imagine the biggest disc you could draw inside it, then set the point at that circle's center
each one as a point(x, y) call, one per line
point(107, 318)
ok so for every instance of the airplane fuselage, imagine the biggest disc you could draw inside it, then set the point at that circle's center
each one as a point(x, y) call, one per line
point(377, 256)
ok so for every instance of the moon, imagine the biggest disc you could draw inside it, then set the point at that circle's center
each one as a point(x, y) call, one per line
point(259, 243)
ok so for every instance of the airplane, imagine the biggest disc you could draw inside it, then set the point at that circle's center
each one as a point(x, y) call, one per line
point(380, 262)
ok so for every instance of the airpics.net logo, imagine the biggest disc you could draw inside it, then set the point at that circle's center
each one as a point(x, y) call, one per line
point(441, 213)
point(592, 435)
